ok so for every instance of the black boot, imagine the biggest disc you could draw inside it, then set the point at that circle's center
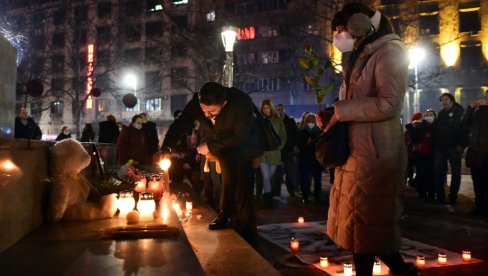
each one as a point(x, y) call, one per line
point(220, 222)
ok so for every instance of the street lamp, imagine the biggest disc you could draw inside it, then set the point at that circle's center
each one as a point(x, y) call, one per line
point(229, 35)
point(416, 55)
point(131, 81)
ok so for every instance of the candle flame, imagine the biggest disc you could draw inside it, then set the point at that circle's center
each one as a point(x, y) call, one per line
point(164, 164)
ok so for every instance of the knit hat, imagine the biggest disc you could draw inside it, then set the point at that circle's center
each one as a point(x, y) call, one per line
point(417, 116)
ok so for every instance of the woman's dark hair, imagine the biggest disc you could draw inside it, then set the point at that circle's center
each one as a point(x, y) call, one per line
point(135, 118)
point(450, 96)
point(212, 93)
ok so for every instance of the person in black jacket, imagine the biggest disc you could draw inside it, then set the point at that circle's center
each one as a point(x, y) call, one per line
point(88, 134)
point(449, 143)
point(109, 130)
point(64, 134)
point(228, 119)
point(150, 137)
point(25, 127)
point(476, 118)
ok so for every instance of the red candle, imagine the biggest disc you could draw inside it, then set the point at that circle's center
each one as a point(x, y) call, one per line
point(466, 256)
point(154, 187)
point(420, 261)
point(140, 185)
point(294, 245)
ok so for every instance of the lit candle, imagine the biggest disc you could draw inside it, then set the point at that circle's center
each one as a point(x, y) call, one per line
point(165, 214)
point(294, 245)
point(466, 256)
point(324, 262)
point(140, 184)
point(177, 209)
point(164, 164)
point(377, 268)
point(347, 269)
point(420, 261)
point(301, 220)
point(442, 258)
point(146, 206)
point(154, 187)
point(188, 208)
point(125, 203)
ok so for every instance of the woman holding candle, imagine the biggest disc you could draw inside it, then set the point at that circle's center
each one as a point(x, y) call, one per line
point(366, 198)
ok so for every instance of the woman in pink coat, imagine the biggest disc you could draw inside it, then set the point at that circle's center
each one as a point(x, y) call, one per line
point(366, 198)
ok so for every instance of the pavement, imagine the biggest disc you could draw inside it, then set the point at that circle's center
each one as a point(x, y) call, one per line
point(439, 225)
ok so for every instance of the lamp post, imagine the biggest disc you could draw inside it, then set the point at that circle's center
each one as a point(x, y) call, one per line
point(416, 55)
point(229, 35)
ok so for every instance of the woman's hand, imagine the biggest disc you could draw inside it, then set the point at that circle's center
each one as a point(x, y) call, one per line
point(332, 122)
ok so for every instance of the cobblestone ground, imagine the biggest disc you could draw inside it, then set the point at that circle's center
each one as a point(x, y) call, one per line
point(450, 228)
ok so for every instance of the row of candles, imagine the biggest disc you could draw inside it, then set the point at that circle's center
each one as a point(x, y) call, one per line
point(324, 261)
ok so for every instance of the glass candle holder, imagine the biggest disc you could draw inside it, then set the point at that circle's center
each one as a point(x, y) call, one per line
point(377, 268)
point(324, 262)
point(140, 184)
point(188, 207)
point(294, 245)
point(154, 186)
point(420, 261)
point(301, 220)
point(146, 206)
point(442, 258)
point(466, 256)
point(125, 203)
point(347, 269)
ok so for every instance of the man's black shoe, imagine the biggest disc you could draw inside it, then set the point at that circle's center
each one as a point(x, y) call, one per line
point(220, 222)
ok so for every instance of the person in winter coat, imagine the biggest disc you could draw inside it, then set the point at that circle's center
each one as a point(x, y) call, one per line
point(25, 127)
point(151, 138)
point(417, 117)
point(131, 143)
point(231, 134)
point(476, 117)
point(109, 130)
point(271, 159)
point(449, 143)
point(419, 144)
point(87, 135)
point(308, 166)
point(367, 194)
point(64, 134)
point(288, 168)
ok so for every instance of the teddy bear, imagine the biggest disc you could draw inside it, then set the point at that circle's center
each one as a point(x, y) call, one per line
point(69, 192)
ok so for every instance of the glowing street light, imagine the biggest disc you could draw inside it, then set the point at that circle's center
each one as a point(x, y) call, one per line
point(416, 55)
point(131, 81)
point(229, 35)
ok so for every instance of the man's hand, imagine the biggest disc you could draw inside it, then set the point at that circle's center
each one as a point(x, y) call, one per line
point(203, 149)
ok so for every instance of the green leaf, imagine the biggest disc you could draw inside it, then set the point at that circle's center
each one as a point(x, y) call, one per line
point(310, 81)
point(304, 63)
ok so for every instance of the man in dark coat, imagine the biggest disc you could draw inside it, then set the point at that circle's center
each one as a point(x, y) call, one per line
point(288, 166)
point(109, 130)
point(150, 137)
point(449, 143)
point(227, 116)
point(25, 127)
point(476, 118)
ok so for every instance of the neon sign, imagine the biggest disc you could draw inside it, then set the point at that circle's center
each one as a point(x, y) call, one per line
point(89, 80)
point(246, 33)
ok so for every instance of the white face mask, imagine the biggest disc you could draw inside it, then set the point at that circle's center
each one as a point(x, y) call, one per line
point(343, 42)
point(310, 125)
point(66, 132)
point(138, 126)
point(429, 119)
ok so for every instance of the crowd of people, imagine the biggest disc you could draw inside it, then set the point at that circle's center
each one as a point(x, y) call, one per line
point(218, 147)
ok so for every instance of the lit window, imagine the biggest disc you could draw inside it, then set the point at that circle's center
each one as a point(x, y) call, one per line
point(246, 33)
point(154, 104)
point(211, 16)
point(268, 57)
point(180, 2)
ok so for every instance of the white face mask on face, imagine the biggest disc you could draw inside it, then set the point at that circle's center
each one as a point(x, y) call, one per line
point(310, 125)
point(429, 119)
point(138, 126)
point(343, 42)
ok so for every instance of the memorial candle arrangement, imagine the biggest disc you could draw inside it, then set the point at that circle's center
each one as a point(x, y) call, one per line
point(442, 258)
point(146, 206)
point(377, 268)
point(294, 245)
point(347, 269)
point(125, 203)
point(324, 262)
point(466, 256)
point(420, 261)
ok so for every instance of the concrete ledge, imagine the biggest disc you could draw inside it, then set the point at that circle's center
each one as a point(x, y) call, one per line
point(21, 188)
point(222, 252)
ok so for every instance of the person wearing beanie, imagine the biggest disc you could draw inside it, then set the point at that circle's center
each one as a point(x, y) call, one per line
point(366, 197)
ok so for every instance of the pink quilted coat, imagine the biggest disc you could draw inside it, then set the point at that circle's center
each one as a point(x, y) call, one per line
point(366, 197)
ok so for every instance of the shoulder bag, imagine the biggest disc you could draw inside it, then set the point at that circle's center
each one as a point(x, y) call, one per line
point(332, 148)
point(272, 139)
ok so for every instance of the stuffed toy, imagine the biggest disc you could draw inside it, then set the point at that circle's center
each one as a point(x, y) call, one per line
point(70, 191)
